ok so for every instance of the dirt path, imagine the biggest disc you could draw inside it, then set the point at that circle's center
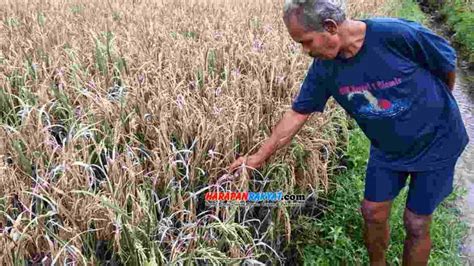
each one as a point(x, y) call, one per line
point(464, 175)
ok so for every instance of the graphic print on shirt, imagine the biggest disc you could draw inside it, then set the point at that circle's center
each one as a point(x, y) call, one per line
point(372, 98)
point(376, 104)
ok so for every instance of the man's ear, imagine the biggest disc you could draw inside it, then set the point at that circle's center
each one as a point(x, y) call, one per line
point(330, 26)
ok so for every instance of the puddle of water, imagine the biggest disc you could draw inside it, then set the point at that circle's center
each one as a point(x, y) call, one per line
point(464, 174)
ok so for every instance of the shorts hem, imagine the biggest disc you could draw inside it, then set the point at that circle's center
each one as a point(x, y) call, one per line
point(434, 209)
point(378, 200)
point(419, 212)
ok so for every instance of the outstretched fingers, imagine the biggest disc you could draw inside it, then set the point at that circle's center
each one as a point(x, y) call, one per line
point(237, 163)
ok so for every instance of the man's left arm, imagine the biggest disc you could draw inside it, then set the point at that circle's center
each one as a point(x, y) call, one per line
point(433, 52)
point(438, 56)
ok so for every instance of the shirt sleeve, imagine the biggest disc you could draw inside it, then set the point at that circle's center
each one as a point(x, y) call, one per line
point(313, 93)
point(427, 49)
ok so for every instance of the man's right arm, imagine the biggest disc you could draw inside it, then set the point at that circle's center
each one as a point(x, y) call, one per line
point(311, 98)
point(282, 134)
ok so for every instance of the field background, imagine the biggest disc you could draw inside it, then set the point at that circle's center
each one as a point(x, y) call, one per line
point(117, 117)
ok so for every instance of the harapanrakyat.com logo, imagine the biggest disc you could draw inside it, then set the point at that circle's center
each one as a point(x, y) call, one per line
point(253, 198)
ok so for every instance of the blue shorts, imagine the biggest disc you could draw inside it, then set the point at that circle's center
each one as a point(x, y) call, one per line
point(427, 189)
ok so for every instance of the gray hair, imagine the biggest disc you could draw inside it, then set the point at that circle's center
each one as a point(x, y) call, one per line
point(311, 14)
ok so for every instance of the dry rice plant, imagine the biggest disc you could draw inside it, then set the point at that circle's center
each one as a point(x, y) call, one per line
point(117, 117)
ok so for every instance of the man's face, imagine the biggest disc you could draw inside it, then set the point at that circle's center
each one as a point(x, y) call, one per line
point(323, 45)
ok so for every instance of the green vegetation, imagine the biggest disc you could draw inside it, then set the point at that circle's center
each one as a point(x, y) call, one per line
point(460, 17)
point(408, 9)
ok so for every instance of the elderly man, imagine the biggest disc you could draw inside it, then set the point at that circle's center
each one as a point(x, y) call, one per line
point(395, 78)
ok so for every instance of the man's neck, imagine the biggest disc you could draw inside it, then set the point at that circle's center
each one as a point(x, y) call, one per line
point(353, 36)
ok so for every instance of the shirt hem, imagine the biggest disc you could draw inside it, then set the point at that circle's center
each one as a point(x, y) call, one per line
point(421, 166)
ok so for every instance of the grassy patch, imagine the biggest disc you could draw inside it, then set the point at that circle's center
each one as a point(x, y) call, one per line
point(460, 17)
point(407, 9)
point(340, 235)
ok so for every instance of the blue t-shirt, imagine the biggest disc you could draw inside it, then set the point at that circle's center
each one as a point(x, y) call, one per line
point(393, 88)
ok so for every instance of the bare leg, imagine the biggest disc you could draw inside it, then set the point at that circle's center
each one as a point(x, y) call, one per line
point(418, 242)
point(376, 230)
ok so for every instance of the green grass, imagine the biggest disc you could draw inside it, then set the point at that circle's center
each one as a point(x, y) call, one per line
point(407, 9)
point(460, 17)
point(340, 235)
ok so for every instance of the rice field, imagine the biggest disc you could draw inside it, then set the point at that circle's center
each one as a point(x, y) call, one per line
point(117, 116)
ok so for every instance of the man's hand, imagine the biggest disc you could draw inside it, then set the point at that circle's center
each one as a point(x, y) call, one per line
point(253, 162)
point(450, 80)
point(282, 134)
